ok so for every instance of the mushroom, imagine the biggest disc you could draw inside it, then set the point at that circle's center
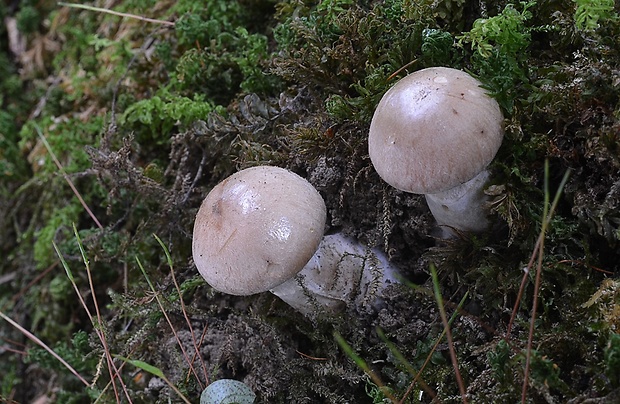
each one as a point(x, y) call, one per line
point(262, 229)
point(434, 133)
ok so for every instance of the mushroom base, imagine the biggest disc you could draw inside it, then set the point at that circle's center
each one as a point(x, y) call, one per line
point(462, 207)
point(343, 273)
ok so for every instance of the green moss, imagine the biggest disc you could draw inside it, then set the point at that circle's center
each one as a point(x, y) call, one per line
point(230, 61)
point(28, 19)
point(44, 254)
point(13, 110)
point(612, 359)
point(589, 14)
point(349, 50)
point(499, 44)
point(160, 114)
point(9, 380)
point(11, 164)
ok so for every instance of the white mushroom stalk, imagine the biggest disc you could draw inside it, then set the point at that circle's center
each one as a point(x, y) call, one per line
point(463, 207)
point(341, 273)
point(260, 227)
point(434, 133)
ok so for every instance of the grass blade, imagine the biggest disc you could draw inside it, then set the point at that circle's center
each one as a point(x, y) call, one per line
point(348, 350)
point(189, 323)
point(155, 372)
point(444, 319)
point(547, 215)
point(417, 377)
point(163, 311)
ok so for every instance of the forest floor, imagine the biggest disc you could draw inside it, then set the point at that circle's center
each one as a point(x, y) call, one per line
point(114, 127)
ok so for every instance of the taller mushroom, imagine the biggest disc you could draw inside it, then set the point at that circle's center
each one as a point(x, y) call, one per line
point(434, 133)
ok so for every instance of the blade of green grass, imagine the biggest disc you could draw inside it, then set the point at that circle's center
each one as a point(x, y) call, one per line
point(97, 324)
point(446, 324)
point(547, 215)
point(163, 311)
point(401, 358)
point(361, 363)
point(546, 221)
point(417, 375)
point(155, 372)
point(189, 323)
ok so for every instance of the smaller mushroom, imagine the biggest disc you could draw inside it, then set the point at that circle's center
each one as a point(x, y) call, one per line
point(434, 133)
point(262, 229)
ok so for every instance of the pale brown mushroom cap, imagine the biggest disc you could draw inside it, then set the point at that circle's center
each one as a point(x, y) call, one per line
point(435, 129)
point(257, 229)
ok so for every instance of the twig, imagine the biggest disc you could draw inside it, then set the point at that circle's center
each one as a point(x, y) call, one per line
point(401, 69)
point(66, 177)
point(585, 264)
point(34, 281)
point(117, 13)
point(40, 343)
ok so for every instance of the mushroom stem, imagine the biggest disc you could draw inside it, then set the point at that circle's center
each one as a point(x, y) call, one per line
point(342, 273)
point(434, 133)
point(462, 207)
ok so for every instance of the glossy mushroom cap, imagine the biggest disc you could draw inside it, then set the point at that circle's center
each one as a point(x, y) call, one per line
point(435, 129)
point(257, 229)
